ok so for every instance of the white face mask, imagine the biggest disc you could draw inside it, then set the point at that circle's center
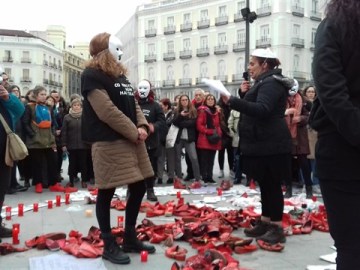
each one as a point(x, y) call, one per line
point(144, 89)
point(293, 90)
point(115, 48)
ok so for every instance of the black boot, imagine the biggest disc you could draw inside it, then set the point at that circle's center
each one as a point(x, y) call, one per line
point(133, 244)
point(112, 251)
point(274, 235)
point(288, 192)
point(150, 195)
point(309, 192)
point(259, 229)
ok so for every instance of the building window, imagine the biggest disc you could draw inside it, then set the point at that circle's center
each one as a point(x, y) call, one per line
point(203, 14)
point(187, 18)
point(169, 73)
point(222, 11)
point(151, 24)
point(151, 49)
point(170, 21)
point(314, 5)
point(296, 62)
point(221, 68)
point(151, 74)
point(221, 39)
point(170, 46)
point(240, 65)
point(296, 30)
point(186, 71)
point(265, 32)
point(240, 36)
point(204, 42)
point(313, 34)
point(203, 70)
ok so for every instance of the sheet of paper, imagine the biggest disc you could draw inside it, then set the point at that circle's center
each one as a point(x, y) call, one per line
point(217, 86)
point(64, 261)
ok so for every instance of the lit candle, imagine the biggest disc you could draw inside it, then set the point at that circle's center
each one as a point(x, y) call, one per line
point(50, 204)
point(8, 212)
point(58, 200)
point(181, 201)
point(144, 256)
point(20, 209)
point(219, 192)
point(121, 221)
point(67, 198)
point(178, 194)
point(36, 207)
point(15, 236)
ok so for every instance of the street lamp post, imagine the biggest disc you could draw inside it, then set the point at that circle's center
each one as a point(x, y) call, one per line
point(249, 17)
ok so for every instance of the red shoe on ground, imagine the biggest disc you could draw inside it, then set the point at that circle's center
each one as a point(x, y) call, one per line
point(195, 185)
point(70, 189)
point(56, 188)
point(178, 184)
point(38, 188)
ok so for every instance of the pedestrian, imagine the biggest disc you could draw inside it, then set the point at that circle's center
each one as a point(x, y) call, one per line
point(114, 124)
point(336, 117)
point(265, 141)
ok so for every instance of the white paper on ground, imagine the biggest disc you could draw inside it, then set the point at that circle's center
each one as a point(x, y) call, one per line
point(60, 262)
point(329, 257)
point(217, 86)
point(321, 267)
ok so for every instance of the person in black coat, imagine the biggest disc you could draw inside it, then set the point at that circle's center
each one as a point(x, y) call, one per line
point(265, 141)
point(336, 116)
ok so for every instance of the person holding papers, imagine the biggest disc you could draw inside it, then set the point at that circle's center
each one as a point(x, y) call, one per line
point(265, 141)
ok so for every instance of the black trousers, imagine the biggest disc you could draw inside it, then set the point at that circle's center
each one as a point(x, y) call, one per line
point(78, 162)
point(230, 156)
point(103, 201)
point(43, 162)
point(5, 172)
point(341, 199)
point(207, 158)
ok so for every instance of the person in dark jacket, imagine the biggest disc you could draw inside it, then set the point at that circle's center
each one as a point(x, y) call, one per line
point(156, 119)
point(336, 117)
point(11, 110)
point(265, 141)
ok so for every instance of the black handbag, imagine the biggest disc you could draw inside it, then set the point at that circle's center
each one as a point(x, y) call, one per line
point(213, 138)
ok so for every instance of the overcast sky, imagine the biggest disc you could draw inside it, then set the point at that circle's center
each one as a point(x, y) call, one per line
point(82, 18)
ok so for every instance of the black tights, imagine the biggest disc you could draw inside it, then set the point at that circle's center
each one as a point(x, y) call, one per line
point(103, 201)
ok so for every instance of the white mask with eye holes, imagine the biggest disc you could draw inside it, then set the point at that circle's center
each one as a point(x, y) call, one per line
point(293, 90)
point(144, 89)
point(115, 48)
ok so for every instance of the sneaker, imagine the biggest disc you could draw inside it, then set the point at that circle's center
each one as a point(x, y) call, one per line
point(258, 230)
point(5, 232)
point(221, 174)
point(57, 188)
point(38, 188)
point(275, 234)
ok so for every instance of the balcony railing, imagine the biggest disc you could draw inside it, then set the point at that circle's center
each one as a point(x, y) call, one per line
point(202, 52)
point(25, 60)
point(185, 27)
point(45, 81)
point(221, 20)
point(237, 77)
point(150, 33)
point(150, 58)
point(205, 23)
point(185, 54)
point(8, 59)
point(315, 16)
point(25, 79)
point(185, 82)
point(60, 84)
point(199, 80)
point(60, 68)
point(264, 11)
point(263, 43)
point(297, 11)
point(297, 42)
point(168, 83)
point(221, 49)
point(46, 63)
point(170, 29)
point(222, 78)
point(239, 47)
point(299, 75)
point(238, 17)
point(169, 56)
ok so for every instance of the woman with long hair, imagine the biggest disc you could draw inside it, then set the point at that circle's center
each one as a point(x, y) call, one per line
point(185, 118)
point(114, 124)
point(336, 116)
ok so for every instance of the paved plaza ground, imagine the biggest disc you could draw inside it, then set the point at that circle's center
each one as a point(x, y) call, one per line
point(300, 250)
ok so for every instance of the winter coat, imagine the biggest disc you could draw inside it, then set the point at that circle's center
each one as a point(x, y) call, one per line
point(11, 110)
point(185, 122)
point(262, 127)
point(35, 137)
point(203, 129)
point(301, 143)
point(71, 132)
point(123, 160)
point(336, 110)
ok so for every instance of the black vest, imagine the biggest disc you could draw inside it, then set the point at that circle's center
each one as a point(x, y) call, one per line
point(121, 94)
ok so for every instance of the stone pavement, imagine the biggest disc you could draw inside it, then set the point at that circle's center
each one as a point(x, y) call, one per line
point(300, 250)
